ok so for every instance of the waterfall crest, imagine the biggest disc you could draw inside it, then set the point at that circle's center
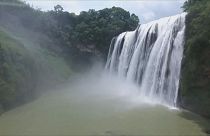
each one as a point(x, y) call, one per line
point(151, 57)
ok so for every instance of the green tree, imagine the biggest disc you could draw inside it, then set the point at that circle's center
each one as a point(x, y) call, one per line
point(58, 8)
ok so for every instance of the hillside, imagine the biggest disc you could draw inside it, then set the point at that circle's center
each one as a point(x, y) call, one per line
point(40, 50)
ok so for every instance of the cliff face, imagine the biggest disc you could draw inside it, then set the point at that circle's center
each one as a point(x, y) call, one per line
point(195, 78)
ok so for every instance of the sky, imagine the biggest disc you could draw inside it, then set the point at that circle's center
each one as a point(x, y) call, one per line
point(146, 10)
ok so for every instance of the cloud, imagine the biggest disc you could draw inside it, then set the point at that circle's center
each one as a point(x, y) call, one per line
point(148, 16)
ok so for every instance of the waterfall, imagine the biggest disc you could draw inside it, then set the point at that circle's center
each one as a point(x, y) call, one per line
point(151, 57)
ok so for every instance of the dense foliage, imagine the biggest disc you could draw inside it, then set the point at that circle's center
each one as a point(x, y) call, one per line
point(94, 27)
point(99, 27)
point(89, 33)
point(195, 81)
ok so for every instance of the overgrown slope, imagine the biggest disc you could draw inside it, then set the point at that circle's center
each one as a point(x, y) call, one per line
point(195, 79)
point(29, 60)
point(17, 72)
point(26, 68)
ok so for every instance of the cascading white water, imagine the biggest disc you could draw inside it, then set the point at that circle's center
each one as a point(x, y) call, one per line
point(151, 57)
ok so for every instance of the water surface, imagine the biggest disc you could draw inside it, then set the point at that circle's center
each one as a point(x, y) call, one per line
point(90, 110)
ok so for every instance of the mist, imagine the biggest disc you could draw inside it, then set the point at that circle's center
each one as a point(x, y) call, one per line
point(95, 103)
point(99, 72)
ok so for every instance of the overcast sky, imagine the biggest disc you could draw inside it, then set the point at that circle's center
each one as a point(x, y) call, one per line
point(146, 10)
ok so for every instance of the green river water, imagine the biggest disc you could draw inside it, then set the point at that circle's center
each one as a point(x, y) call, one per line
point(74, 111)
